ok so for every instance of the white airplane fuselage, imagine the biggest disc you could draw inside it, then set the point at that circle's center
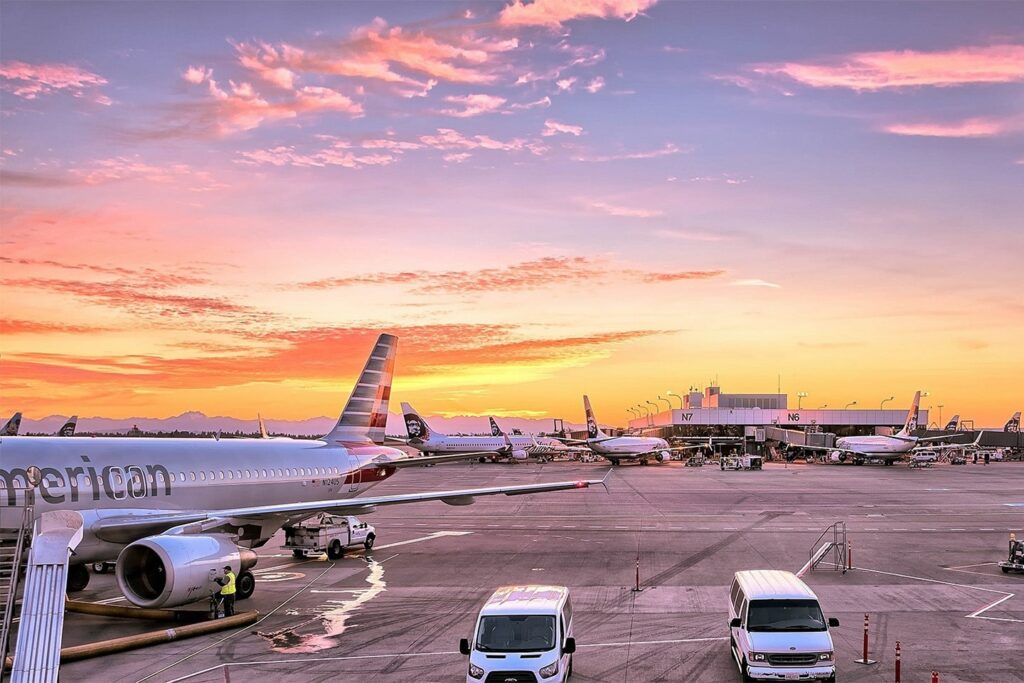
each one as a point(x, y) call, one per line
point(125, 476)
point(471, 444)
point(627, 445)
point(877, 445)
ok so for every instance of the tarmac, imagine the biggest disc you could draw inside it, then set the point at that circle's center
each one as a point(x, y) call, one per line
point(925, 543)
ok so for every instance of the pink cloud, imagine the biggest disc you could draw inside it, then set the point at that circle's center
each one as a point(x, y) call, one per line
point(197, 74)
point(263, 60)
point(689, 235)
point(667, 149)
point(624, 211)
point(594, 85)
point(32, 80)
point(970, 128)
point(867, 71)
point(553, 13)
point(552, 127)
point(542, 102)
point(473, 105)
point(331, 156)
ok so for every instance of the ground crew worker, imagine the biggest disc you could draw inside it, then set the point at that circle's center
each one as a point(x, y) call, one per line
point(227, 591)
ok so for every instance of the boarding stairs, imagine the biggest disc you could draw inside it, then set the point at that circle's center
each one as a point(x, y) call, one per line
point(15, 523)
point(832, 541)
point(55, 535)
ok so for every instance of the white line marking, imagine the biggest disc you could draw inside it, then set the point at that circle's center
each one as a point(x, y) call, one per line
point(436, 534)
point(654, 642)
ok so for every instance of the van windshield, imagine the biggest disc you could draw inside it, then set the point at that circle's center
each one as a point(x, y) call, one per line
point(516, 633)
point(785, 615)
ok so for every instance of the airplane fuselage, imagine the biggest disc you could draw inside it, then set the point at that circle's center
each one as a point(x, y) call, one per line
point(627, 446)
point(124, 476)
point(877, 445)
point(472, 444)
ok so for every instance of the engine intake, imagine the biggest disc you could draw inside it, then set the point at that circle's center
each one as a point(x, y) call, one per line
point(171, 569)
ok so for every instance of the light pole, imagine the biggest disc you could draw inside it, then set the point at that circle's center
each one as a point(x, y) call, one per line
point(800, 397)
point(660, 398)
point(641, 407)
point(655, 411)
point(634, 412)
point(851, 403)
point(940, 412)
point(672, 393)
point(881, 406)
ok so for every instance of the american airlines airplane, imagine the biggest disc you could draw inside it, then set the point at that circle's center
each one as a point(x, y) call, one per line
point(424, 438)
point(170, 510)
point(888, 449)
point(615, 449)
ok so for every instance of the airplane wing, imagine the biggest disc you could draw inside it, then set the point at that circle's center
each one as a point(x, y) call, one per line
point(830, 449)
point(128, 528)
point(434, 459)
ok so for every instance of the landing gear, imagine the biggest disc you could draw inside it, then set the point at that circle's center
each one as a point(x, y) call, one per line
point(78, 578)
point(335, 551)
point(245, 584)
point(298, 554)
point(643, 462)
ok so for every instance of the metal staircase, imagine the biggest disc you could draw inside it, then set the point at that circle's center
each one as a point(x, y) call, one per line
point(836, 545)
point(15, 522)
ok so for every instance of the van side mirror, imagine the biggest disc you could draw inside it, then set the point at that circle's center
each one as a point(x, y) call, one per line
point(569, 647)
point(464, 646)
point(735, 623)
point(833, 622)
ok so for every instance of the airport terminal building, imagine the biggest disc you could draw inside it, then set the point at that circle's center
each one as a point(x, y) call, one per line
point(716, 413)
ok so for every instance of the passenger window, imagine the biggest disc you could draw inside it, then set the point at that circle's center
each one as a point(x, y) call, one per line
point(192, 476)
point(181, 475)
point(230, 474)
point(238, 473)
point(264, 474)
point(248, 474)
point(743, 613)
point(202, 475)
point(172, 477)
point(221, 473)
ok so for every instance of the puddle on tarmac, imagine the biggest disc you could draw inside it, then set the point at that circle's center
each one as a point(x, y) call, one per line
point(329, 619)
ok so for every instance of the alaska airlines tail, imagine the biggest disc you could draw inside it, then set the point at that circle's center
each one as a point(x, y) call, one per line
point(1013, 425)
point(416, 426)
point(911, 423)
point(953, 423)
point(69, 427)
point(593, 431)
point(495, 429)
point(365, 415)
point(12, 426)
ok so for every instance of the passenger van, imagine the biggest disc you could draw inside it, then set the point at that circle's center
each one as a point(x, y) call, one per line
point(777, 630)
point(523, 633)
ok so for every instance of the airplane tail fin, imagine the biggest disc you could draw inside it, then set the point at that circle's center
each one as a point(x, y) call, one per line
point(1013, 425)
point(593, 431)
point(911, 424)
point(495, 429)
point(952, 424)
point(69, 427)
point(416, 426)
point(263, 427)
point(12, 426)
point(365, 416)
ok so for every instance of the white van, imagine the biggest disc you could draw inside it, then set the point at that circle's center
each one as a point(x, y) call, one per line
point(777, 630)
point(523, 633)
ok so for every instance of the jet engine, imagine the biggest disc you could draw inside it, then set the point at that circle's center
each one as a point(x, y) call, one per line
point(519, 454)
point(176, 569)
point(664, 456)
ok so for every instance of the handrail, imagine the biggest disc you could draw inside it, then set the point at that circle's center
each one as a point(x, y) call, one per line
point(12, 591)
point(838, 530)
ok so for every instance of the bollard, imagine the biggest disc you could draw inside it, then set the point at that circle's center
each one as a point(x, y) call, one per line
point(637, 588)
point(935, 677)
point(849, 554)
point(897, 661)
point(864, 659)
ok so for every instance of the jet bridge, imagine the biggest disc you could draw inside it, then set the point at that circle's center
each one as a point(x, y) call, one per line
point(795, 437)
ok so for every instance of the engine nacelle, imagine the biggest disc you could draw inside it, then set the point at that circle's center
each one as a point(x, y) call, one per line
point(664, 456)
point(175, 569)
point(519, 454)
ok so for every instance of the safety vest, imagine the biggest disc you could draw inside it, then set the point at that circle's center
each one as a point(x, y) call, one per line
point(229, 587)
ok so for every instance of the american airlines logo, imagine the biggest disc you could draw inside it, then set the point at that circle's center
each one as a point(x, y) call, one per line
point(115, 483)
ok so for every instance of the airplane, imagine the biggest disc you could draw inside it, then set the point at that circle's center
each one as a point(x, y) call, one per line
point(69, 427)
point(12, 426)
point(424, 438)
point(952, 425)
point(1013, 424)
point(544, 448)
point(888, 449)
point(172, 510)
point(615, 449)
point(263, 428)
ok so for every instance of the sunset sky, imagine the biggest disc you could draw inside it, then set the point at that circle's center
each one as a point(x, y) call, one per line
point(217, 206)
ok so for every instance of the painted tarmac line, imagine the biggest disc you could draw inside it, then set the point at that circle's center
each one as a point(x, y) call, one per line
point(654, 642)
point(340, 658)
point(436, 534)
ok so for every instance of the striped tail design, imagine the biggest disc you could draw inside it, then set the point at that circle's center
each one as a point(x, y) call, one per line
point(365, 415)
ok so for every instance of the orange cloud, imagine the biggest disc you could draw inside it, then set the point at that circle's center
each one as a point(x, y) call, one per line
point(554, 13)
point(867, 71)
point(32, 80)
point(978, 127)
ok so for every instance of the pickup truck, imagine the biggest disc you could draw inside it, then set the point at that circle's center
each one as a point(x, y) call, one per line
point(329, 534)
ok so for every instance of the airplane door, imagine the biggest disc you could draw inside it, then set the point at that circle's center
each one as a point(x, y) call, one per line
point(354, 473)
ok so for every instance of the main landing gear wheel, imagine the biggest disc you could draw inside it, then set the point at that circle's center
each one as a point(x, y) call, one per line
point(78, 578)
point(335, 551)
point(245, 584)
point(368, 543)
point(99, 567)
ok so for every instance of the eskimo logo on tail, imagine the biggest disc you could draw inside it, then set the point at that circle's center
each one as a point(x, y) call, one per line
point(1014, 424)
point(366, 413)
point(12, 426)
point(593, 431)
point(69, 427)
point(911, 424)
point(495, 429)
point(416, 427)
